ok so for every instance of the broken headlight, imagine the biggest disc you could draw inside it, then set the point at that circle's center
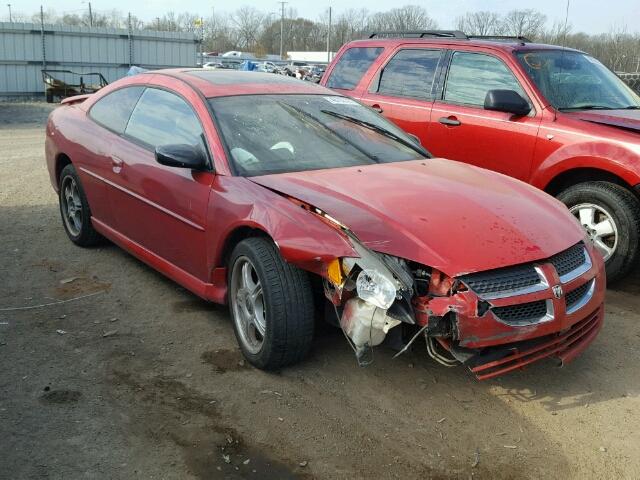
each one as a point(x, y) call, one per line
point(376, 289)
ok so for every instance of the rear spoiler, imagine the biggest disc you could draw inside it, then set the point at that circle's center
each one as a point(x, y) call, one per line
point(75, 99)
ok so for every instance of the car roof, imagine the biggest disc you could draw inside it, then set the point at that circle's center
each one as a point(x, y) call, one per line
point(222, 83)
point(497, 43)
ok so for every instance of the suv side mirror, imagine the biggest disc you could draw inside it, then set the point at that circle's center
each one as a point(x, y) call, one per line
point(181, 156)
point(508, 101)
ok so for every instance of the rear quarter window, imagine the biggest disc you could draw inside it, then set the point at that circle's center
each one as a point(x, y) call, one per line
point(351, 66)
point(114, 109)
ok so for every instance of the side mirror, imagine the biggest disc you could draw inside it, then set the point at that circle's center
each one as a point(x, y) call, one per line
point(181, 156)
point(508, 101)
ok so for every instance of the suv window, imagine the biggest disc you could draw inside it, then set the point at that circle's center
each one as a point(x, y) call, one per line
point(410, 73)
point(472, 75)
point(162, 118)
point(353, 64)
point(114, 109)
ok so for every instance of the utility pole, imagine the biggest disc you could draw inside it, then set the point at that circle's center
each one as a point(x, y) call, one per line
point(90, 16)
point(10, 17)
point(282, 4)
point(329, 38)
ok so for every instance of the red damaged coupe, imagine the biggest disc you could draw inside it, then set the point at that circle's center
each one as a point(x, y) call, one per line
point(284, 198)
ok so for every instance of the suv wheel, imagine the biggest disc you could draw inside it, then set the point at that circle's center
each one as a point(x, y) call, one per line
point(271, 305)
point(610, 214)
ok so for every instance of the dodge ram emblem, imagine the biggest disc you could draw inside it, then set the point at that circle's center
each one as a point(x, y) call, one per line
point(557, 291)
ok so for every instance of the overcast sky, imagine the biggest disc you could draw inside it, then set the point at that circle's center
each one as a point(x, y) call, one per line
point(591, 16)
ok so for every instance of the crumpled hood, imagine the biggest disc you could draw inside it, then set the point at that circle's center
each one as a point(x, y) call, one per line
point(444, 214)
point(627, 119)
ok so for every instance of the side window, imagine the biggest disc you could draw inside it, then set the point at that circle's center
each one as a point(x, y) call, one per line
point(472, 75)
point(162, 118)
point(351, 66)
point(113, 110)
point(410, 73)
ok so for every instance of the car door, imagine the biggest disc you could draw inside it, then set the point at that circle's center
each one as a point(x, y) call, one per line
point(461, 129)
point(162, 208)
point(403, 89)
point(97, 140)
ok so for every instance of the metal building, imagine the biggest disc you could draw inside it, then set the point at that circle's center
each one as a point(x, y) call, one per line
point(27, 48)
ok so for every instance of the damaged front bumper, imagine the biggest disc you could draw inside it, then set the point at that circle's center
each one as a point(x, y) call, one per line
point(493, 322)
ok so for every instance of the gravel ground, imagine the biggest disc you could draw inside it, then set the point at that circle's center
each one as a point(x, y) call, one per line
point(144, 380)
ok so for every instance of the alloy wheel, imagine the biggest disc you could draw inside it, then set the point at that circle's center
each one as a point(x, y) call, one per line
point(248, 304)
point(599, 225)
point(71, 206)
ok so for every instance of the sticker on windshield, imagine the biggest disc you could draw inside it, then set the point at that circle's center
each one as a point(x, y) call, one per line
point(340, 101)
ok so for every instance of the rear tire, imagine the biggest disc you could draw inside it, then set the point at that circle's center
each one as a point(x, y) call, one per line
point(275, 329)
point(608, 201)
point(74, 209)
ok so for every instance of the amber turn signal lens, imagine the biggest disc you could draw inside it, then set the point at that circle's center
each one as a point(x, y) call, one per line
point(334, 272)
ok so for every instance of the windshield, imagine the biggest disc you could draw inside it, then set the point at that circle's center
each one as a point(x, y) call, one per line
point(290, 133)
point(575, 81)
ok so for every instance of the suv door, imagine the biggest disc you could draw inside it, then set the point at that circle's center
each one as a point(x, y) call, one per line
point(461, 129)
point(403, 89)
point(162, 208)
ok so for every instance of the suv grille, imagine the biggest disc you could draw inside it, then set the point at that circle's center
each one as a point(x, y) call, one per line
point(569, 260)
point(502, 280)
point(523, 313)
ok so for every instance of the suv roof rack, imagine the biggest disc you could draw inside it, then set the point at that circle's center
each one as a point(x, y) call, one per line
point(420, 34)
point(456, 34)
point(503, 38)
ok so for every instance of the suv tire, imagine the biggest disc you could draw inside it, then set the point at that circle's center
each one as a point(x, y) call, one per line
point(620, 206)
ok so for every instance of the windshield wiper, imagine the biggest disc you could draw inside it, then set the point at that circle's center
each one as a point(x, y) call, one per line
point(300, 113)
point(598, 107)
point(380, 130)
point(587, 107)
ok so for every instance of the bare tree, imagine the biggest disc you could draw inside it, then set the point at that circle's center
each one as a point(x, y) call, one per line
point(409, 17)
point(479, 23)
point(528, 23)
point(248, 22)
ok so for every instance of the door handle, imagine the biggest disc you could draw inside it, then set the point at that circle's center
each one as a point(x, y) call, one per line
point(450, 121)
point(377, 108)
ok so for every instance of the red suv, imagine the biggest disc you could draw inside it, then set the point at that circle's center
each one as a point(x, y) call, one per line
point(550, 116)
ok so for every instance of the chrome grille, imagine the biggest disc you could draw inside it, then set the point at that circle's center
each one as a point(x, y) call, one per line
point(523, 313)
point(571, 263)
point(578, 297)
point(502, 281)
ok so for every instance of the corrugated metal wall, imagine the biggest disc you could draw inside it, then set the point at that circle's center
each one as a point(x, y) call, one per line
point(26, 47)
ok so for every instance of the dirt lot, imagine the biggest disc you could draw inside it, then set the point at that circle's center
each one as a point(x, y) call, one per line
point(144, 380)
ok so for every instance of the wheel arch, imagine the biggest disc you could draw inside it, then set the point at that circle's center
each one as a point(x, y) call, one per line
point(62, 160)
point(234, 237)
point(574, 176)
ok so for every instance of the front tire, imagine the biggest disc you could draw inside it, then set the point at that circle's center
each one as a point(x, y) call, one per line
point(271, 305)
point(610, 214)
point(74, 209)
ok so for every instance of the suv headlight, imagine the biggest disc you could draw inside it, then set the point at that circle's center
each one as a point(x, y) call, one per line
point(375, 288)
